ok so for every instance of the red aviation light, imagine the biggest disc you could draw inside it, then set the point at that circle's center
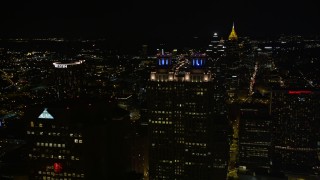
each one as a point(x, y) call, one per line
point(300, 92)
point(57, 167)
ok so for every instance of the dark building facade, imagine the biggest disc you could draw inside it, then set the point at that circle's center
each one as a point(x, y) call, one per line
point(255, 139)
point(187, 124)
point(12, 147)
point(76, 140)
point(296, 138)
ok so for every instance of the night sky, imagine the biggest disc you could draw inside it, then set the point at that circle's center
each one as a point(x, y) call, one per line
point(137, 22)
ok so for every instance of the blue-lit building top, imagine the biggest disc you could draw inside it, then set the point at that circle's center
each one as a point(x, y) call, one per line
point(164, 60)
point(198, 60)
point(183, 116)
point(185, 68)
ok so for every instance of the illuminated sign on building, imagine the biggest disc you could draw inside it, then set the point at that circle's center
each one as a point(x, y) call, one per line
point(300, 92)
point(60, 66)
point(65, 65)
point(57, 167)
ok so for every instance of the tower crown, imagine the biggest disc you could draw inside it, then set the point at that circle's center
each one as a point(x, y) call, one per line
point(198, 60)
point(164, 59)
point(233, 35)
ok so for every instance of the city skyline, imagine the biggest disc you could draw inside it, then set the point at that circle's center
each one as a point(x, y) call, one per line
point(159, 90)
point(173, 104)
point(146, 22)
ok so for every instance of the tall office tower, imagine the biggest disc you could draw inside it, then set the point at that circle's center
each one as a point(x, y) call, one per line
point(296, 131)
point(69, 79)
point(232, 45)
point(233, 35)
point(221, 47)
point(144, 52)
point(255, 138)
point(187, 121)
point(213, 46)
point(79, 139)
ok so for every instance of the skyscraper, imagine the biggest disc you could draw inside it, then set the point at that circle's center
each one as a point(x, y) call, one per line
point(187, 124)
point(68, 78)
point(215, 48)
point(232, 45)
point(80, 139)
point(255, 138)
point(296, 127)
point(144, 52)
point(233, 35)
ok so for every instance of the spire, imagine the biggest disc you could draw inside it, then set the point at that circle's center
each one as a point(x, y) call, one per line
point(233, 35)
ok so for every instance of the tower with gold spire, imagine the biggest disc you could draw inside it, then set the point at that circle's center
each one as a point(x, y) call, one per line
point(232, 45)
point(233, 35)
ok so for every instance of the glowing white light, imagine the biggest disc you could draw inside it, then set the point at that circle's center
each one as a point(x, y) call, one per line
point(187, 77)
point(45, 115)
point(205, 78)
point(153, 76)
point(65, 65)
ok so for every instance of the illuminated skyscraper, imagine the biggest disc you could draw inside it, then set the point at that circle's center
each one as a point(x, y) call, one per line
point(233, 35)
point(69, 79)
point(232, 46)
point(214, 45)
point(187, 121)
point(296, 131)
point(76, 140)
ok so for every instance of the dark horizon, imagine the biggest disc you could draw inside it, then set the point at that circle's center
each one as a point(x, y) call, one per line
point(251, 18)
point(131, 24)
